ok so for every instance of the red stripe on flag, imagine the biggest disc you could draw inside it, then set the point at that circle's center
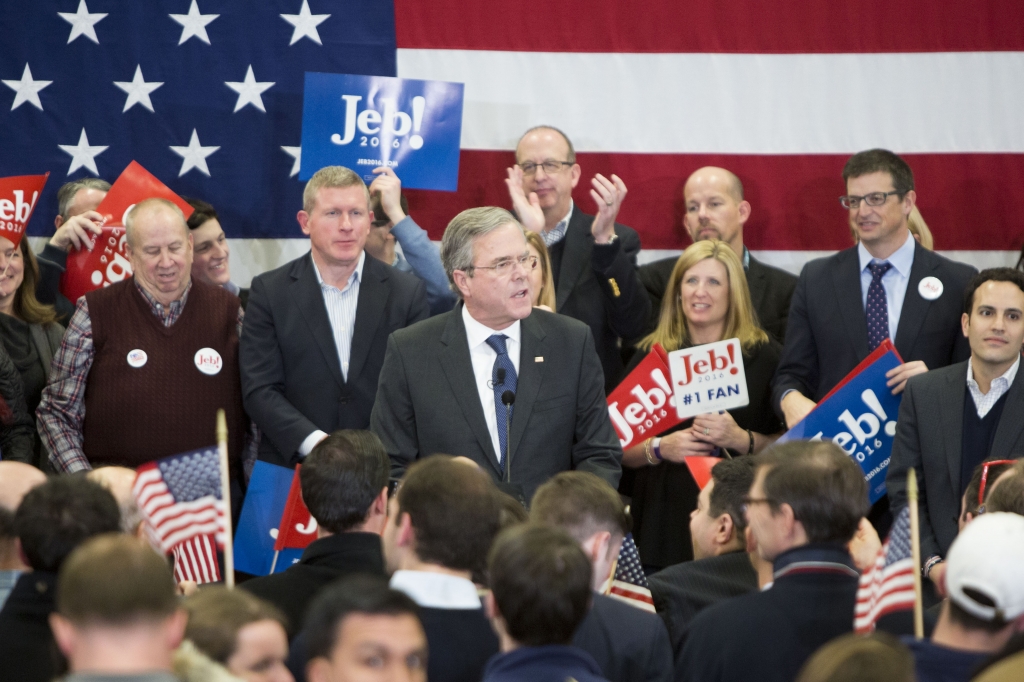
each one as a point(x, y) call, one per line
point(794, 198)
point(739, 26)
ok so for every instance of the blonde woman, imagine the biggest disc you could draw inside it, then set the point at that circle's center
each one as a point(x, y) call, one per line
point(706, 300)
point(542, 284)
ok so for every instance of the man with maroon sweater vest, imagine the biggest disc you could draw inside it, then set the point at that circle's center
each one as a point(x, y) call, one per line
point(146, 362)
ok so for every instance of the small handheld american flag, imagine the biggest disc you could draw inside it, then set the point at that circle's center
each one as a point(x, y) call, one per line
point(629, 582)
point(180, 498)
point(888, 585)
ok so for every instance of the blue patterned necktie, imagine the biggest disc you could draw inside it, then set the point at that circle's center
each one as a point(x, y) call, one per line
point(504, 362)
point(877, 308)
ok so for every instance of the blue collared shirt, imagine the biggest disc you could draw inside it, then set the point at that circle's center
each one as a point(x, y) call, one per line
point(895, 281)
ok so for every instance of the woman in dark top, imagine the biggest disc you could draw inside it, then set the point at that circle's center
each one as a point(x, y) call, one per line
point(707, 300)
point(29, 331)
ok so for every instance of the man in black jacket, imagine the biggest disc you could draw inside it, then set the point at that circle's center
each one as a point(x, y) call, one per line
point(715, 209)
point(345, 487)
point(628, 644)
point(593, 258)
point(805, 505)
point(443, 520)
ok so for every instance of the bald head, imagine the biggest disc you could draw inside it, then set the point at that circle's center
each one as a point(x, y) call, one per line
point(16, 479)
point(159, 248)
point(149, 210)
point(715, 208)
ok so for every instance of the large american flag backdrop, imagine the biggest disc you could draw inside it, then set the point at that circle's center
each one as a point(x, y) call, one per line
point(207, 95)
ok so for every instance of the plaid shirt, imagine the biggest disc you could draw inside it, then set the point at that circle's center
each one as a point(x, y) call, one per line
point(61, 412)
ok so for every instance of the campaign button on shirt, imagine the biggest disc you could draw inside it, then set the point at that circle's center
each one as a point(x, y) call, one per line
point(137, 358)
point(930, 288)
point(208, 361)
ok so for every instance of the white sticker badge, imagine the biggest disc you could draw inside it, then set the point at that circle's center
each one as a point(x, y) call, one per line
point(930, 288)
point(208, 361)
point(137, 358)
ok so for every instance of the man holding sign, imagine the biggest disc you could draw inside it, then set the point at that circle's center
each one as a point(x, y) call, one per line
point(955, 418)
point(146, 362)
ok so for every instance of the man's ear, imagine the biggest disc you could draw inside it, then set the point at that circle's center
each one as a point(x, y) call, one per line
point(461, 280)
point(744, 209)
point(965, 323)
point(174, 628)
point(725, 530)
point(575, 173)
point(406, 536)
point(303, 219)
point(597, 545)
point(63, 633)
point(491, 606)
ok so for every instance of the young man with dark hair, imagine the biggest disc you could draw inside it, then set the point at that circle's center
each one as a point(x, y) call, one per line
point(977, 493)
point(1008, 492)
point(955, 418)
point(359, 629)
point(443, 520)
point(540, 592)
point(345, 487)
point(117, 614)
point(628, 644)
point(52, 520)
point(721, 568)
point(986, 600)
point(803, 508)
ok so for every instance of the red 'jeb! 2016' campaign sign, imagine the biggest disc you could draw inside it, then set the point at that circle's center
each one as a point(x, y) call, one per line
point(298, 527)
point(107, 263)
point(18, 197)
point(643, 406)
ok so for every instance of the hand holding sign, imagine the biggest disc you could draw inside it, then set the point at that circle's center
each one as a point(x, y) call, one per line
point(720, 429)
point(79, 232)
point(897, 376)
point(676, 447)
point(389, 187)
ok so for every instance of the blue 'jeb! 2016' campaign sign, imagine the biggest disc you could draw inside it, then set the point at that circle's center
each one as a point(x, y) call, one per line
point(860, 417)
point(365, 122)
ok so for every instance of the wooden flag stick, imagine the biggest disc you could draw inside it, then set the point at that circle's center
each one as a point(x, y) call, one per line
point(915, 544)
point(225, 489)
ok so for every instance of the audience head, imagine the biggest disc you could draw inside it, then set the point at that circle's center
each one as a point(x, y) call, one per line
point(1007, 491)
point(542, 282)
point(345, 482)
point(487, 259)
point(117, 610)
point(718, 525)
point(714, 207)
point(159, 247)
point(18, 281)
point(879, 196)
point(16, 479)
point(707, 290)
point(240, 631)
point(446, 514)
point(993, 318)
point(119, 481)
point(587, 508)
point(336, 216)
point(78, 196)
point(360, 629)
point(983, 577)
point(805, 492)
point(210, 250)
point(380, 243)
point(540, 586)
point(854, 658)
point(57, 516)
point(980, 487)
point(548, 161)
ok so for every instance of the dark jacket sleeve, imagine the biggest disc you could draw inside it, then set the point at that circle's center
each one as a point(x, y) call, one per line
point(596, 447)
point(52, 263)
point(18, 430)
point(627, 305)
point(798, 366)
point(393, 418)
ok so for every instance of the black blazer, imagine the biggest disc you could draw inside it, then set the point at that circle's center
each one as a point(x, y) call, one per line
point(929, 437)
point(827, 334)
point(460, 641)
point(428, 401)
point(630, 645)
point(585, 290)
point(28, 652)
point(324, 561)
point(291, 377)
point(771, 290)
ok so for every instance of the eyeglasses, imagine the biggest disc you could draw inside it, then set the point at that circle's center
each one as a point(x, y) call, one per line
point(984, 479)
point(550, 166)
point(874, 199)
point(748, 500)
point(504, 267)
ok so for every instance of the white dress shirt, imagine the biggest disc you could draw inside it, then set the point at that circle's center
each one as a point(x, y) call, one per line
point(437, 590)
point(895, 281)
point(483, 356)
point(999, 386)
point(341, 312)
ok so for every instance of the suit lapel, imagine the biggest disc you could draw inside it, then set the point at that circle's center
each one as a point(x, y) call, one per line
point(309, 300)
point(575, 256)
point(530, 377)
point(915, 307)
point(953, 421)
point(373, 297)
point(1010, 424)
point(755, 283)
point(846, 280)
point(458, 369)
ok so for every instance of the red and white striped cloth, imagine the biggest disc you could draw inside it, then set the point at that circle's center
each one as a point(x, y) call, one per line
point(888, 585)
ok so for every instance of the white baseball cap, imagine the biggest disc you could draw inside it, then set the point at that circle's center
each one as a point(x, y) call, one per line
point(986, 564)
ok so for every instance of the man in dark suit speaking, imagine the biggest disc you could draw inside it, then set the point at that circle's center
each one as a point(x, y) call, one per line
point(313, 340)
point(517, 390)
